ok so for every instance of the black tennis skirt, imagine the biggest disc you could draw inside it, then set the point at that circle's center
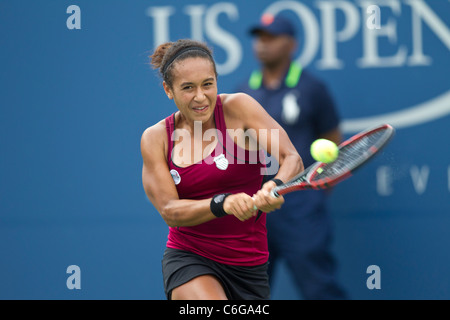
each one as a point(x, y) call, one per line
point(239, 282)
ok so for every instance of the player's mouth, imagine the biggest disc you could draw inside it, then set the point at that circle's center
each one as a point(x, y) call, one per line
point(200, 109)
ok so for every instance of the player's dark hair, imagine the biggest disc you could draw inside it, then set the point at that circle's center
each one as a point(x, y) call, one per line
point(167, 53)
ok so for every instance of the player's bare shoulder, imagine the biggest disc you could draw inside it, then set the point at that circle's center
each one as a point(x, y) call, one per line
point(238, 105)
point(235, 102)
point(157, 131)
point(154, 139)
point(241, 106)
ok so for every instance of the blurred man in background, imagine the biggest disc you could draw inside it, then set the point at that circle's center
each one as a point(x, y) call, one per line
point(301, 232)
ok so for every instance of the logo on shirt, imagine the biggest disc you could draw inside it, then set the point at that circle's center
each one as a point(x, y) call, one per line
point(219, 198)
point(221, 162)
point(291, 109)
point(175, 176)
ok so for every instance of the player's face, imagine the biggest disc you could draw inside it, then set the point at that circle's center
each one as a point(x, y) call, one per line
point(194, 88)
point(273, 50)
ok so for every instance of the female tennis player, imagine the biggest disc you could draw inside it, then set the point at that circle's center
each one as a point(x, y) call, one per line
point(199, 177)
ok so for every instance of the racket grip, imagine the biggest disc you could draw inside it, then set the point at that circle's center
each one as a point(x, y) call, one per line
point(274, 193)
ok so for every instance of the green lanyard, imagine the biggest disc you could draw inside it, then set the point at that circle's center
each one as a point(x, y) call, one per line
point(292, 78)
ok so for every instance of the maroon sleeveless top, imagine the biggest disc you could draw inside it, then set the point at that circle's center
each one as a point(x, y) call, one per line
point(232, 169)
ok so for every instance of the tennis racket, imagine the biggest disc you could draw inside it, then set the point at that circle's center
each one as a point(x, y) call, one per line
point(353, 153)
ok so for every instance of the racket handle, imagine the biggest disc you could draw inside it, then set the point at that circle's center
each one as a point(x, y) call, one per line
point(274, 193)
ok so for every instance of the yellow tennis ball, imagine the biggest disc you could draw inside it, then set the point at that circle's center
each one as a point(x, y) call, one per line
point(324, 150)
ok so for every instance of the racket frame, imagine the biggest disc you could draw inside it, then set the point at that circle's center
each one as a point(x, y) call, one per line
point(303, 180)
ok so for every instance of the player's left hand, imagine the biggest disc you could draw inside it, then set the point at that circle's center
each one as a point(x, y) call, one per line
point(264, 201)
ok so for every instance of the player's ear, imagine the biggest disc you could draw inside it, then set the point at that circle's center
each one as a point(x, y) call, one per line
point(167, 90)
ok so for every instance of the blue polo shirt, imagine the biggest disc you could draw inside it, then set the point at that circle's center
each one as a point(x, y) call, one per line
point(302, 105)
point(301, 230)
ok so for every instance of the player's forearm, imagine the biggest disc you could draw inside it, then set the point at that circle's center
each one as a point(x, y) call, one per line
point(291, 165)
point(185, 213)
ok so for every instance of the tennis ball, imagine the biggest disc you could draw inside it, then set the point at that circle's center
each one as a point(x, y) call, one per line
point(324, 150)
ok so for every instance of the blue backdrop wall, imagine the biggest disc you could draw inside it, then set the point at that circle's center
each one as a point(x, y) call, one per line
point(77, 92)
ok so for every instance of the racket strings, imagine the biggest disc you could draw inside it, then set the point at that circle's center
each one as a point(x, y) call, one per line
point(351, 155)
